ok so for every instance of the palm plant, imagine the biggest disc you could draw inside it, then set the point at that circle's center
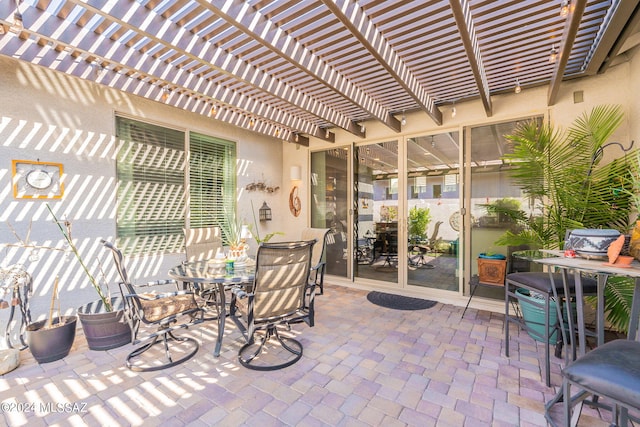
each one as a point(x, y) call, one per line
point(563, 175)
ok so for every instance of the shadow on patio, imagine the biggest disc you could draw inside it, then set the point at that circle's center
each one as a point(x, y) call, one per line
point(362, 365)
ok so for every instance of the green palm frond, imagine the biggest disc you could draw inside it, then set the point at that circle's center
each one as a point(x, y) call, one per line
point(617, 302)
point(595, 128)
point(562, 173)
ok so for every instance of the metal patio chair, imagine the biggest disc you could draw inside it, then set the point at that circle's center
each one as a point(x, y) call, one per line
point(166, 311)
point(276, 299)
point(318, 258)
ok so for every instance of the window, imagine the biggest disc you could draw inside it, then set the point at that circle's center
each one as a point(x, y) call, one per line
point(437, 191)
point(151, 170)
point(212, 180)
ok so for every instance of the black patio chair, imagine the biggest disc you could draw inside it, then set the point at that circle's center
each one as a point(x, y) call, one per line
point(521, 287)
point(275, 300)
point(390, 248)
point(610, 374)
point(166, 311)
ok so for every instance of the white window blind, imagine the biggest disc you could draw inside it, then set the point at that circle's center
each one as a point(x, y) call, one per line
point(212, 180)
point(150, 189)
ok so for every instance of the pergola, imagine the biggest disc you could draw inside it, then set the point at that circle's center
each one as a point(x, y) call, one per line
point(299, 68)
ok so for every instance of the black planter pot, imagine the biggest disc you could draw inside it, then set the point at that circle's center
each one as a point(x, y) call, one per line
point(104, 330)
point(47, 345)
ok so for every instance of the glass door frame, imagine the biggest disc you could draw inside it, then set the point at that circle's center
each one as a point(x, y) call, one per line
point(461, 260)
point(464, 201)
point(401, 233)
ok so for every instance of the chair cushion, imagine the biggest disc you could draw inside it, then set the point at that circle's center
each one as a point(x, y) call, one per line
point(541, 282)
point(157, 309)
point(611, 370)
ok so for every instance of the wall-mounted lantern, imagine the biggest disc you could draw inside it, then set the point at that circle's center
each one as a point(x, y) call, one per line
point(265, 212)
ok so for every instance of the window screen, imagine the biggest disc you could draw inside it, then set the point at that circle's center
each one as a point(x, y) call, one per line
point(150, 189)
point(152, 203)
point(212, 180)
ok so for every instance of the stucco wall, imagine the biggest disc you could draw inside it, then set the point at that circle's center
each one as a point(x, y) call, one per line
point(51, 117)
point(633, 89)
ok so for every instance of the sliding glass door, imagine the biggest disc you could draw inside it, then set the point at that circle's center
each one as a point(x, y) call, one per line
point(491, 191)
point(433, 204)
point(330, 204)
point(376, 230)
point(395, 207)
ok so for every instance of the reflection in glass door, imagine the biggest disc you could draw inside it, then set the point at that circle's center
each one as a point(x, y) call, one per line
point(433, 200)
point(491, 191)
point(376, 232)
point(329, 204)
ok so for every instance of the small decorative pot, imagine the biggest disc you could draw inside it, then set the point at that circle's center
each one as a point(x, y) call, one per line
point(492, 269)
point(592, 243)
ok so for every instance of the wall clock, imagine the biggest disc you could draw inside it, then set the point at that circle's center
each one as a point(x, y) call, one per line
point(454, 221)
point(37, 180)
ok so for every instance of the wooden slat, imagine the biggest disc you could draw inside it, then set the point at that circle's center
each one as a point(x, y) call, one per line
point(303, 66)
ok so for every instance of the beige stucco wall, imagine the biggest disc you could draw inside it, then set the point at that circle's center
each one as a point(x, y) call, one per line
point(52, 117)
point(632, 90)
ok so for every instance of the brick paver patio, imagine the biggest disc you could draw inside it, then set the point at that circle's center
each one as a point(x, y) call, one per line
point(363, 365)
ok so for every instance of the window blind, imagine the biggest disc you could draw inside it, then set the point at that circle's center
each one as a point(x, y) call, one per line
point(212, 180)
point(150, 190)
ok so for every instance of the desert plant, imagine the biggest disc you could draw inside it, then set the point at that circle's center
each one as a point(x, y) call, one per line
point(231, 231)
point(65, 229)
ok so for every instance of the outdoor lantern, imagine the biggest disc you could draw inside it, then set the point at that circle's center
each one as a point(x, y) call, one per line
point(265, 212)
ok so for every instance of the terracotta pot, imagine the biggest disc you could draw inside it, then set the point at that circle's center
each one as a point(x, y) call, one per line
point(624, 260)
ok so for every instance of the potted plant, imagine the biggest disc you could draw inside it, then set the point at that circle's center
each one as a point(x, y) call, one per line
point(565, 178)
point(103, 321)
point(492, 268)
point(234, 235)
point(419, 219)
point(51, 339)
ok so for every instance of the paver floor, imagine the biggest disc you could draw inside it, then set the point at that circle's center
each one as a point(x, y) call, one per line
point(363, 365)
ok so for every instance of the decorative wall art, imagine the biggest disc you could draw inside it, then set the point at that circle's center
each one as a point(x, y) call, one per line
point(261, 186)
point(37, 180)
point(295, 204)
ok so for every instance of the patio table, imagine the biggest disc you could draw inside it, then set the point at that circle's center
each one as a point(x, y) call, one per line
point(602, 270)
point(204, 277)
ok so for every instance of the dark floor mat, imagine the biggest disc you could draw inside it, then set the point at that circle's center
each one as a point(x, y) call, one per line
point(399, 302)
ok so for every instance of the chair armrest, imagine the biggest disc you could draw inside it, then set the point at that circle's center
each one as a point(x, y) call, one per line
point(239, 292)
point(157, 283)
point(318, 266)
point(152, 297)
